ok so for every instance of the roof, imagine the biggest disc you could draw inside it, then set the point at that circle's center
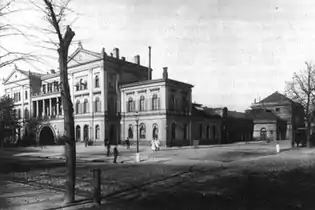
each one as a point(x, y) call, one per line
point(146, 82)
point(200, 111)
point(261, 114)
point(275, 97)
point(237, 115)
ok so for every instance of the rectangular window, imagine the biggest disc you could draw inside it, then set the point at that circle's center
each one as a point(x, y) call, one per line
point(26, 95)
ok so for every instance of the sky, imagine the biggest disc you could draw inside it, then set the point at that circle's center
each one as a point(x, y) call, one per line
point(232, 51)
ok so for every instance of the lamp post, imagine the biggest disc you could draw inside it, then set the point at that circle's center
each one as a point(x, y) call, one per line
point(137, 124)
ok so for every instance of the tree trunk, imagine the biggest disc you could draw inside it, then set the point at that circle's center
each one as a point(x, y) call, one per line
point(308, 134)
point(70, 149)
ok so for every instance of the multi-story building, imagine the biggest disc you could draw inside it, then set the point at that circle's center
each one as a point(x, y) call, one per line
point(157, 109)
point(94, 80)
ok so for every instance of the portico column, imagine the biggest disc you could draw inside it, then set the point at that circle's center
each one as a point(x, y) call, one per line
point(50, 109)
point(43, 111)
point(37, 108)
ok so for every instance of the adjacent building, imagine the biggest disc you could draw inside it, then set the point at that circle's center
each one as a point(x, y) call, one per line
point(276, 117)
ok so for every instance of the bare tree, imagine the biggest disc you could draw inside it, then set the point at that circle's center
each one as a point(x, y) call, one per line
point(302, 90)
point(7, 29)
point(54, 12)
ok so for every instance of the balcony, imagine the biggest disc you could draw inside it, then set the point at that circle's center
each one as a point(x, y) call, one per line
point(54, 92)
point(157, 112)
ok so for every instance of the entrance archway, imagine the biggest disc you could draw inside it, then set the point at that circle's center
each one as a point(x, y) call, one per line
point(263, 134)
point(46, 136)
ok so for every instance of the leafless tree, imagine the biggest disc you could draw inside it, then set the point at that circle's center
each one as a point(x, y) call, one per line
point(7, 29)
point(302, 90)
point(54, 13)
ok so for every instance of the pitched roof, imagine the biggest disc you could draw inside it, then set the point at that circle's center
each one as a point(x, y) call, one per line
point(261, 114)
point(275, 97)
point(200, 111)
point(235, 114)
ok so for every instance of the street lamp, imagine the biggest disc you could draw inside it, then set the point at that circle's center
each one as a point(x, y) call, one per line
point(137, 124)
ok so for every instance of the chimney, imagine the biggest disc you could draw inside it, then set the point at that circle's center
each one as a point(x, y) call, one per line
point(123, 58)
point(165, 74)
point(255, 101)
point(116, 52)
point(149, 70)
point(52, 71)
point(137, 59)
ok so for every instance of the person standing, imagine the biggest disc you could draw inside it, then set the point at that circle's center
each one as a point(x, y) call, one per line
point(108, 147)
point(115, 154)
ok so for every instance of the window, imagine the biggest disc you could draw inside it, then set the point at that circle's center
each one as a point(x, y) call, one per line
point(130, 107)
point(49, 86)
point(19, 113)
point(26, 95)
point(97, 132)
point(141, 103)
point(173, 127)
point(78, 133)
point(155, 102)
point(85, 132)
point(111, 82)
point(77, 86)
point(97, 105)
point(97, 82)
point(85, 106)
point(172, 102)
point(81, 84)
point(213, 132)
point(200, 131)
point(277, 109)
point(185, 132)
point(44, 89)
point(155, 132)
point(77, 107)
point(26, 113)
point(111, 106)
point(130, 132)
point(142, 131)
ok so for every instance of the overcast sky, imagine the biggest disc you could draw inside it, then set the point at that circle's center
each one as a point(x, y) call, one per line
point(232, 51)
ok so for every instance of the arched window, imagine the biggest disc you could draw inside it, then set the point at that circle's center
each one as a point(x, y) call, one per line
point(208, 132)
point(97, 105)
point(155, 102)
point(142, 131)
point(19, 113)
point(200, 131)
point(77, 86)
point(85, 106)
point(97, 82)
point(77, 107)
point(173, 128)
point(213, 132)
point(97, 132)
point(130, 132)
point(263, 134)
point(130, 105)
point(85, 85)
point(85, 132)
point(78, 133)
point(26, 113)
point(141, 108)
point(155, 132)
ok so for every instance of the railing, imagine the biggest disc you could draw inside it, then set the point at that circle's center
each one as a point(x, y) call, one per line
point(157, 111)
point(45, 93)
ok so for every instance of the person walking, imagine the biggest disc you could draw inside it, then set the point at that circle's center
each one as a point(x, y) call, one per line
point(115, 154)
point(127, 143)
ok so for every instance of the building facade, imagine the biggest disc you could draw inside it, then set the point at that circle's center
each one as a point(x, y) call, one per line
point(283, 117)
point(157, 109)
point(94, 80)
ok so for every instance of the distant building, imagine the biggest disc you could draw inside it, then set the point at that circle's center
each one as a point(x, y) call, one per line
point(276, 117)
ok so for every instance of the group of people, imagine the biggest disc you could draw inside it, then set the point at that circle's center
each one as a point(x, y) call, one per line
point(155, 145)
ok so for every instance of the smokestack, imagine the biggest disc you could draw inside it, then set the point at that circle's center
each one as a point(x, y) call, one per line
point(116, 52)
point(149, 73)
point(123, 58)
point(137, 59)
point(165, 73)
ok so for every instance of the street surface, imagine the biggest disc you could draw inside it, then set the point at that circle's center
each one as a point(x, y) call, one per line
point(234, 176)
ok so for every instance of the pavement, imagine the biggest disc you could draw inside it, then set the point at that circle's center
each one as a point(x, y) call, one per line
point(40, 184)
